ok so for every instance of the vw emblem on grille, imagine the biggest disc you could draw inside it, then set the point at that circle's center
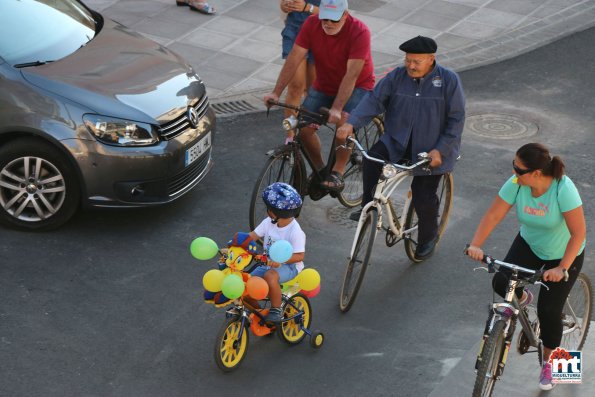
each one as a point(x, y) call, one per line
point(192, 117)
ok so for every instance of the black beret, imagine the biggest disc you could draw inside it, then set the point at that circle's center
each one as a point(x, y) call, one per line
point(419, 45)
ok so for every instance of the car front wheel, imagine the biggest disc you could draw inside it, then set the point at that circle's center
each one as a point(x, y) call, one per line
point(38, 189)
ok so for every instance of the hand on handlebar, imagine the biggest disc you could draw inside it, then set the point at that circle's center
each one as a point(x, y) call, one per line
point(334, 115)
point(273, 264)
point(436, 158)
point(556, 274)
point(344, 131)
point(270, 99)
point(475, 253)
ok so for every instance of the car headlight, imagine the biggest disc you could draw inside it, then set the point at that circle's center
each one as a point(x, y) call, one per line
point(120, 132)
point(389, 171)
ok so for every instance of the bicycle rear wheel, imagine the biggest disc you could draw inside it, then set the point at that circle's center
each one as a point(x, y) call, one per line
point(356, 267)
point(351, 195)
point(444, 192)
point(576, 316)
point(292, 331)
point(490, 359)
point(282, 166)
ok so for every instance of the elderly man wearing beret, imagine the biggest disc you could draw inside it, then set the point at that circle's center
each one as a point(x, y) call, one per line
point(424, 108)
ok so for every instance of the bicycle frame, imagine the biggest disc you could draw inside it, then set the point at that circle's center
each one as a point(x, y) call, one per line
point(384, 189)
point(301, 123)
point(511, 303)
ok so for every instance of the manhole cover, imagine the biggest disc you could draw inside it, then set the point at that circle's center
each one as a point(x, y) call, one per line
point(500, 126)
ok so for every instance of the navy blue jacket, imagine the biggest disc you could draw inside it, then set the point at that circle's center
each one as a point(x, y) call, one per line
point(430, 111)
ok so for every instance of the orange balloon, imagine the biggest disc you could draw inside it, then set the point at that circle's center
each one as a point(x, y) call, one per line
point(257, 288)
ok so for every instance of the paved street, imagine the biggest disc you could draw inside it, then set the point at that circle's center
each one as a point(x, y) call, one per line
point(110, 305)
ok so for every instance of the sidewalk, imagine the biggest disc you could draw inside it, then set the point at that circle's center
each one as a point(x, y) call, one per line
point(237, 51)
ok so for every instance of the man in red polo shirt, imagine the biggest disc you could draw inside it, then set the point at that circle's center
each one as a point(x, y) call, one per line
point(341, 46)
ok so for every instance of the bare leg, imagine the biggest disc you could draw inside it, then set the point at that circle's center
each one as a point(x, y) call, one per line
point(312, 145)
point(295, 91)
point(272, 279)
point(546, 353)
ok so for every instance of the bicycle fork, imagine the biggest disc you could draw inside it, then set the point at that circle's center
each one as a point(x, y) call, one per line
point(499, 311)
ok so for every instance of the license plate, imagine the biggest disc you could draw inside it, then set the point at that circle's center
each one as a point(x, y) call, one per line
point(197, 150)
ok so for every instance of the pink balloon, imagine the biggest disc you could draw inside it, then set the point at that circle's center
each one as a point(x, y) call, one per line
point(312, 293)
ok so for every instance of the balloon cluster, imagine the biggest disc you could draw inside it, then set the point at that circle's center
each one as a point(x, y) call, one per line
point(233, 283)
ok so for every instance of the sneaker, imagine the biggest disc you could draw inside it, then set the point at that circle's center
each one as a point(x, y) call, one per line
point(545, 378)
point(274, 315)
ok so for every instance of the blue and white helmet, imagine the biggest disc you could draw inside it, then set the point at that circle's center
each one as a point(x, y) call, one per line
point(282, 200)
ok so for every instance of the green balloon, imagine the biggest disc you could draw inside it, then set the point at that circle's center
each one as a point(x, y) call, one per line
point(232, 286)
point(203, 248)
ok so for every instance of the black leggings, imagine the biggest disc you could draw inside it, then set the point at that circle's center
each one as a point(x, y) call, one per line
point(551, 302)
point(423, 188)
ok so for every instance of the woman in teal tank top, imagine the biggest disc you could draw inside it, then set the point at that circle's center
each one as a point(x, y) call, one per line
point(552, 234)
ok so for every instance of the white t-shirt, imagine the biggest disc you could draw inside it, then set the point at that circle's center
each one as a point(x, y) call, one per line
point(269, 233)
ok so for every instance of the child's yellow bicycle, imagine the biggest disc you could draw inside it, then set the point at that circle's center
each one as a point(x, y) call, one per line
point(232, 284)
point(231, 344)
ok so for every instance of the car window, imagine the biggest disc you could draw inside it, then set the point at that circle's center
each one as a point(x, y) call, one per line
point(38, 31)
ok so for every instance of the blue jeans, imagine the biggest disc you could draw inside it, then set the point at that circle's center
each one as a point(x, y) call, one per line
point(289, 34)
point(286, 272)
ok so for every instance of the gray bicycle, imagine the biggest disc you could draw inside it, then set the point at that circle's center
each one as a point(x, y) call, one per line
point(500, 326)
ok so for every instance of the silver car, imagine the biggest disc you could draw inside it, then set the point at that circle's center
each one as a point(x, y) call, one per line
point(92, 114)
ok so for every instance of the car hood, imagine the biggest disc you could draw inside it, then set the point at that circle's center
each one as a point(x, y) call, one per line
point(122, 74)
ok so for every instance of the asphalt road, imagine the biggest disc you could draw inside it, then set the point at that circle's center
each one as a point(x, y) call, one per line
point(110, 305)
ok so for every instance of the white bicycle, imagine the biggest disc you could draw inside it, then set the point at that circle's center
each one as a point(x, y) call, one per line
point(380, 214)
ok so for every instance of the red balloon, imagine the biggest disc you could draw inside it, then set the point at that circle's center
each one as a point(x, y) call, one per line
point(257, 287)
point(312, 293)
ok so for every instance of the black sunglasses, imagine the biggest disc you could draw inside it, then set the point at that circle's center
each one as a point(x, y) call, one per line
point(520, 171)
point(330, 20)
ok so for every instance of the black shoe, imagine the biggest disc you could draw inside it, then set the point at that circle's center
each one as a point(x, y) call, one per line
point(354, 216)
point(425, 250)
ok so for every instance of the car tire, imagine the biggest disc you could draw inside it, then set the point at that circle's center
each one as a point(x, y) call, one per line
point(38, 186)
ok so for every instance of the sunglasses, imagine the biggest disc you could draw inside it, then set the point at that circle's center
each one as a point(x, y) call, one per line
point(331, 21)
point(520, 171)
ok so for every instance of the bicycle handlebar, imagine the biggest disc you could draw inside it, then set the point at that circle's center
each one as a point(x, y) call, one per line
point(424, 157)
point(535, 276)
point(319, 118)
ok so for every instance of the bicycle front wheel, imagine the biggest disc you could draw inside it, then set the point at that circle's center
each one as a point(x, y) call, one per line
point(490, 360)
point(230, 348)
point(283, 166)
point(351, 195)
point(356, 267)
point(444, 192)
point(576, 316)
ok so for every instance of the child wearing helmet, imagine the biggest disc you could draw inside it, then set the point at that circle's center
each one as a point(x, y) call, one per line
point(283, 204)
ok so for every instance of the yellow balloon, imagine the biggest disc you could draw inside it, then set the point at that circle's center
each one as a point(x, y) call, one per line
point(309, 279)
point(212, 280)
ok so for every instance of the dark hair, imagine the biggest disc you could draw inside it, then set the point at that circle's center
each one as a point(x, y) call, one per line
point(536, 156)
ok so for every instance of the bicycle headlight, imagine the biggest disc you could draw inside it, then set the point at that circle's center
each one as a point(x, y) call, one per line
point(119, 132)
point(290, 123)
point(389, 171)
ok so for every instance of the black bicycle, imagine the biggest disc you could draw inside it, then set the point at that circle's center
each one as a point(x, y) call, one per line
point(500, 326)
point(287, 163)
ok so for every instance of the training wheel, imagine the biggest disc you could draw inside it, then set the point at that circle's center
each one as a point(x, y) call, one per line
point(317, 339)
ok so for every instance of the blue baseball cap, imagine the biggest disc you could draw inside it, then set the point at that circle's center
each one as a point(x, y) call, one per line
point(332, 9)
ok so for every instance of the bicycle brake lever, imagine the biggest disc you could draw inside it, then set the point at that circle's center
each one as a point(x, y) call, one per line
point(480, 268)
point(540, 283)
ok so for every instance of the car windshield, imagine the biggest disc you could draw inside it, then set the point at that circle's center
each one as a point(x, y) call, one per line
point(33, 32)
